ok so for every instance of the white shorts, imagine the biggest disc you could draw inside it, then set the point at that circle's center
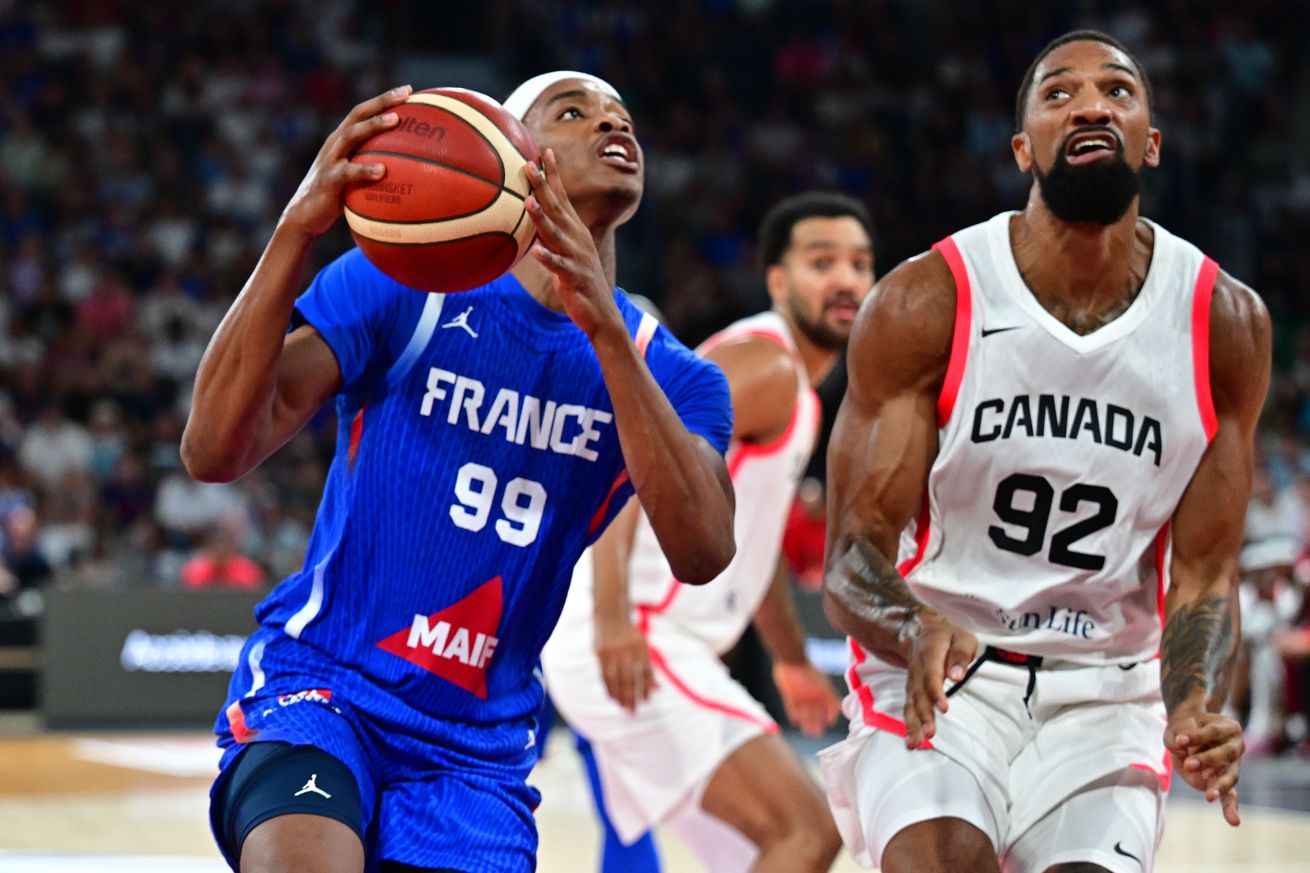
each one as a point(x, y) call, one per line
point(657, 762)
point(1077, 772)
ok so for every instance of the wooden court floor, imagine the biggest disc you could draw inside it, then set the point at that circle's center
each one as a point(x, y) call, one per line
point(95, 803)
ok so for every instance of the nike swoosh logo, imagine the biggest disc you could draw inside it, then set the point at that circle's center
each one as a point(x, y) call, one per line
point(989, 332)
point(1118, 850)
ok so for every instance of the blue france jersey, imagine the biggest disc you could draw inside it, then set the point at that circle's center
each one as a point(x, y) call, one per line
point(477, 456)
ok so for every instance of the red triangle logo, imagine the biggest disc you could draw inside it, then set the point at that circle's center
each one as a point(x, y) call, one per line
point(456, 643)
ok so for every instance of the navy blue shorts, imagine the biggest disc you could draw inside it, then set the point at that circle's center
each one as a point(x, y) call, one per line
point(272, 779)
point(450, 796)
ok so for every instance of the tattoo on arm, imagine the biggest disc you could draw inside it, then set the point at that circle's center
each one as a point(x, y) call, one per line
point(1195, 652)
point(873, 593)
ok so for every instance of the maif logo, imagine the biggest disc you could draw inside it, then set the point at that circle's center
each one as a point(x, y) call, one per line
point(456, 643)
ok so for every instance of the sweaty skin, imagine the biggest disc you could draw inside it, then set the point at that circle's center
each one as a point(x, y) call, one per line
point(257, 386)
point(885, 438)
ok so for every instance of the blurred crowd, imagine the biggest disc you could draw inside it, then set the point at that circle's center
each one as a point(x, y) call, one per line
point(146, 150)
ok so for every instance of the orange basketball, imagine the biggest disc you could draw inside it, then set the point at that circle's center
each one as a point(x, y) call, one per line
point(448, 214)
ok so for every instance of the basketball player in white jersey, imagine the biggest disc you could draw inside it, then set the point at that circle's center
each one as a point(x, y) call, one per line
point(675, 737)
point(1057, 408)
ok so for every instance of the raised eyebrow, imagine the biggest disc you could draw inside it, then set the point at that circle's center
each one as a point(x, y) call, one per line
point(572, 94)
point(579, 94)
point(1111, 65)
point(1058, 71)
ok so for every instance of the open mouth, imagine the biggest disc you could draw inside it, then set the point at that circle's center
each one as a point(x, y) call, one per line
point(1086, 148)
point(619, 151)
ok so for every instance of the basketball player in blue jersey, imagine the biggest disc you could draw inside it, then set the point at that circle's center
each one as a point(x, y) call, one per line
point(1050, 421)
point(382, 715)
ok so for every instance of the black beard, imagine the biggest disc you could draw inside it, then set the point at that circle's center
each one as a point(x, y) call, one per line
point(816, 330)
point(1099, 193)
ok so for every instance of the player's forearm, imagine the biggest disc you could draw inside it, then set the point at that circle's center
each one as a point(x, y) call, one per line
point(232, 402)
point(610, 556)
point(689, 505)
point(864, 596)
point(1199, 643)
point(776, 623)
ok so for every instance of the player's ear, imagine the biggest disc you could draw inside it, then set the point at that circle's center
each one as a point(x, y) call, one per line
point(1023, 151)
point(1152, 156)
point(775, 279)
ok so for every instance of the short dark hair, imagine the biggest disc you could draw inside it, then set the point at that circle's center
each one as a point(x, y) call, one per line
point(775, 229)
point(1086, 35)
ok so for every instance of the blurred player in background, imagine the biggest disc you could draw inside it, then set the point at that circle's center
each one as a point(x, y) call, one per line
point(675, 737)
point(1057, 407)
point(383, 715)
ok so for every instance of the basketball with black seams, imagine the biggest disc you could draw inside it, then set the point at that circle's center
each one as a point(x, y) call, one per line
point(448, 215)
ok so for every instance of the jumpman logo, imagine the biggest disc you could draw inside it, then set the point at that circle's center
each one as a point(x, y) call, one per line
point(311, 786)
point(462, 320)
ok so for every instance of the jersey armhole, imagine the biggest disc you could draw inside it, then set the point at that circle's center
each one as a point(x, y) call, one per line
point(1201, 298)
point(961, 332)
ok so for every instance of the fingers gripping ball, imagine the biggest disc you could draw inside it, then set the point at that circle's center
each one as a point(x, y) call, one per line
point(448, 214)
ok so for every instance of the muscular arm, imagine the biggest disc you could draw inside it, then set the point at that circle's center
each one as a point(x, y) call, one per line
point(256, 386)
point(762, 377)
point(1200, 636)
point(882, 447)
point(680, 478)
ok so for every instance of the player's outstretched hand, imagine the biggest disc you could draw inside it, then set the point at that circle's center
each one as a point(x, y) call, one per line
point(317, 202)
point(624, 662)
point(565, 247)
point(1207, 749)
point(938, 651)
point(807, 696)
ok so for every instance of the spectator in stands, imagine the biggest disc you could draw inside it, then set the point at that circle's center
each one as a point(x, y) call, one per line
point(24, 570)
point(54, 446)
point(220, 565)
point(131, 195)
point(1270, 600)
point(1273, 513)
point(185, 508)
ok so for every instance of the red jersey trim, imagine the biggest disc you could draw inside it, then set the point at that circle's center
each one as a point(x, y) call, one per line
point(921, 529)
point(1165, 774)
point(730, 335)
point(1161, 549)
point(605, 504)
point(236, 721)
point(961, 332)
point(870, 716)
point(1201, 345)
point(645, 332)
point(356, 434)
point(657, 659)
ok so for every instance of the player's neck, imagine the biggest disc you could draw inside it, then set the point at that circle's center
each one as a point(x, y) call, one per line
point(1083, 263)
point(540, 282)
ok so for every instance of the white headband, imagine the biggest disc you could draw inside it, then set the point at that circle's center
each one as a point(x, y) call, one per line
point(519, 102)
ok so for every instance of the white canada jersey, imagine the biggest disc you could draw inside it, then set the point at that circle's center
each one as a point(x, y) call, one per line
point(765, 479)
point(1062, 457)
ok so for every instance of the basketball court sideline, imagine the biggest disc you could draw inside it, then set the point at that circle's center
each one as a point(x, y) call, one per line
point(109, 802)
